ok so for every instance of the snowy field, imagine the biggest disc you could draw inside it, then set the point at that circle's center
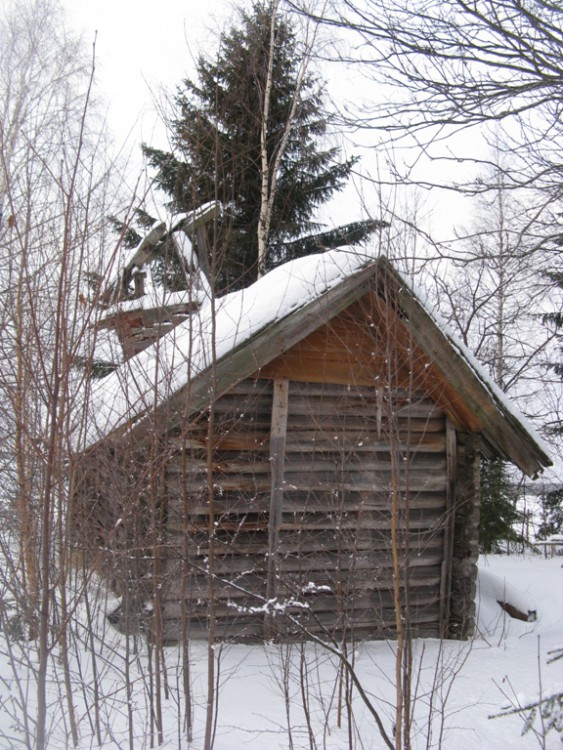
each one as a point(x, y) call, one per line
point(291, 697)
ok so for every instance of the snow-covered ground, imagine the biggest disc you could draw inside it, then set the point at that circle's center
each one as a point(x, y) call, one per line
point(262, 690)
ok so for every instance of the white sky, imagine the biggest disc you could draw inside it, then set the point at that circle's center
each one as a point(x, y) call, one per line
point(143, 47)
point(143, 50)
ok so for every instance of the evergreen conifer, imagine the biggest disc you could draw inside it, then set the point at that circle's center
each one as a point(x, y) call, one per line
point(216, 149)
point(500, 515)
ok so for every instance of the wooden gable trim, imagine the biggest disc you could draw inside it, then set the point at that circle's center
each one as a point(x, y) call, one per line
point(499, 427)
point(250, 356)
point(441, 370)
point(423, 372)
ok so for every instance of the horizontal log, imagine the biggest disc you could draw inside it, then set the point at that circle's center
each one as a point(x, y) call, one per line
point(294, 501)
point(357, 607)
point(218, 468)
point(251, 387)
point(253, 584)
point(247, 440)
point(249, 485)
point(351, 404)
point(303, 452)
point(353, 463)
point(236, 408)
point(363, 441)
point(309, 501)
point(347, 526)
point(324, 423)
point(398, 395)
point(377, 566)
point(197, 506)
point(233, 403)
point(245, 633)
point(370, 622)
point(423, 548)
point(365, 625)
point(423, 482)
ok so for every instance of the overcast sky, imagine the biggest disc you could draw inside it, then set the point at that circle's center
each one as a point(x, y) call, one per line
point(143, 47)
point(143, 50)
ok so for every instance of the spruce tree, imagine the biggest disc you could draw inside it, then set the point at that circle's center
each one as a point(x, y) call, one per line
point(551, 504)
point(216, 149)
point(499, 513)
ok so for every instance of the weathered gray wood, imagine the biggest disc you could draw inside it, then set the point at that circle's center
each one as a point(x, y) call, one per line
point(363, 442)
point(466, 536)
point(294, 505)
point(368, 563)
point(449, 526)
point(423, 482)
point(252, 585)
point(277, 460)
point(425, 549)
point(361, 406)
point(333, 421)
point(334, 522)
point(306, 501)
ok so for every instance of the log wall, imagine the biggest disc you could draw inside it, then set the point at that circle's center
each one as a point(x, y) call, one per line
point(304, 523)
point(273, 513)
point(466, 536)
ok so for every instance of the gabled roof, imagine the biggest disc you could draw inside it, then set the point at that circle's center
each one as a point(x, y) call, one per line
point(244, 331)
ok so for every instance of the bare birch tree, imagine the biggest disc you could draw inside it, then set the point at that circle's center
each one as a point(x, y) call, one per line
point(270, 162)
point(455, 64)
point(53, 186)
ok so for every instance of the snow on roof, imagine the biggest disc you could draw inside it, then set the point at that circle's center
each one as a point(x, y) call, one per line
point(152, 376)
point(157, 296)
point(154, 299)
point(506, 405)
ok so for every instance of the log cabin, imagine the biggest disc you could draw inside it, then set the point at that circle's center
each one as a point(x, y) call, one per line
point(300, 459)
